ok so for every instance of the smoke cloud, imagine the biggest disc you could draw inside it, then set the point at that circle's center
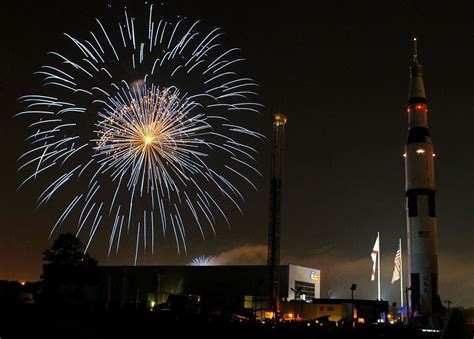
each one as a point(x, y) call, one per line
point(242, 255)
point(339, 271)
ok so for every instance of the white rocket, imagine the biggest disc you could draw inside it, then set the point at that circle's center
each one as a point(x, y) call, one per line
point(420, 201)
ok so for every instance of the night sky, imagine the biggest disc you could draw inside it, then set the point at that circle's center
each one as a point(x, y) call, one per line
point(340, 73)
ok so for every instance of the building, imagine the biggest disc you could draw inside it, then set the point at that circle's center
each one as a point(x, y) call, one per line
point(223, 288)
point(336, 310)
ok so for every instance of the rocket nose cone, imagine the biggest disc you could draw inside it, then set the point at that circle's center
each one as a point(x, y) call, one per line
point(417, 88)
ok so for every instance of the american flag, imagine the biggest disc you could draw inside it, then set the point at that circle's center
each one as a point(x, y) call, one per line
point(396, 270)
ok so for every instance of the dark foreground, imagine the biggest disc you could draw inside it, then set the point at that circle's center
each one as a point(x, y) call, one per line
point(32, 322)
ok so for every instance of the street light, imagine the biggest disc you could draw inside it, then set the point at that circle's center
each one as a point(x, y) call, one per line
point(449, 302)
point(296, 290)
point(353, 288)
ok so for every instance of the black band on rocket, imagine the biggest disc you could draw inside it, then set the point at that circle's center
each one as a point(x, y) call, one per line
point(416, 100)
point(417, 135)
point(412, 201)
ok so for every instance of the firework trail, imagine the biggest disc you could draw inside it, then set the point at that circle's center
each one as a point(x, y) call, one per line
point(137, 120)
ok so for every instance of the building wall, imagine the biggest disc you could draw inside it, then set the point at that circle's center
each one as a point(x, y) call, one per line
point(304, 310)
point(219, 286)
point(140, 285)
point(310, 277)
point(334, 309)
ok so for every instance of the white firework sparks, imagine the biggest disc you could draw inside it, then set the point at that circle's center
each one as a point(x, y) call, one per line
point(155, 152)
point(203, 260)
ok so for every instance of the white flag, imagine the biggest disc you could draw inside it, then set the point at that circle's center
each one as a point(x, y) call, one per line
point(373, 255)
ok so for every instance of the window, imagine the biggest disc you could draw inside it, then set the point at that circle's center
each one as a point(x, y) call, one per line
point(304, 288)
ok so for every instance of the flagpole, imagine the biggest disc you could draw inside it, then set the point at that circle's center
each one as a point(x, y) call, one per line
point(401, 275)
point(378, 270)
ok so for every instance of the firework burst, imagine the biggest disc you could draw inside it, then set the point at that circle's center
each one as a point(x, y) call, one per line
point(137, 120)
point(203, 260)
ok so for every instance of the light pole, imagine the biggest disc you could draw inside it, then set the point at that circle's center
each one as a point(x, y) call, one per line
point(408, 302)
point(449, 302)
point(353, 288)
point(296, 290)
point(394, 306)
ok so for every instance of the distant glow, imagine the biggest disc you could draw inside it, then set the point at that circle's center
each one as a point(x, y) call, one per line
point(418, 106)
point(404, 155)
point(268, 315)
point(22, 283)
point(434, 154)
point(203, 260)
point(429, 330)
point(420, 151)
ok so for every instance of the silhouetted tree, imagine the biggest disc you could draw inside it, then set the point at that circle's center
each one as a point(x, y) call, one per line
point(457, 327)
point(68, 272)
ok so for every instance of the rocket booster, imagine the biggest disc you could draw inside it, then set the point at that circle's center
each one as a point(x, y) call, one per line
point(420, 199)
